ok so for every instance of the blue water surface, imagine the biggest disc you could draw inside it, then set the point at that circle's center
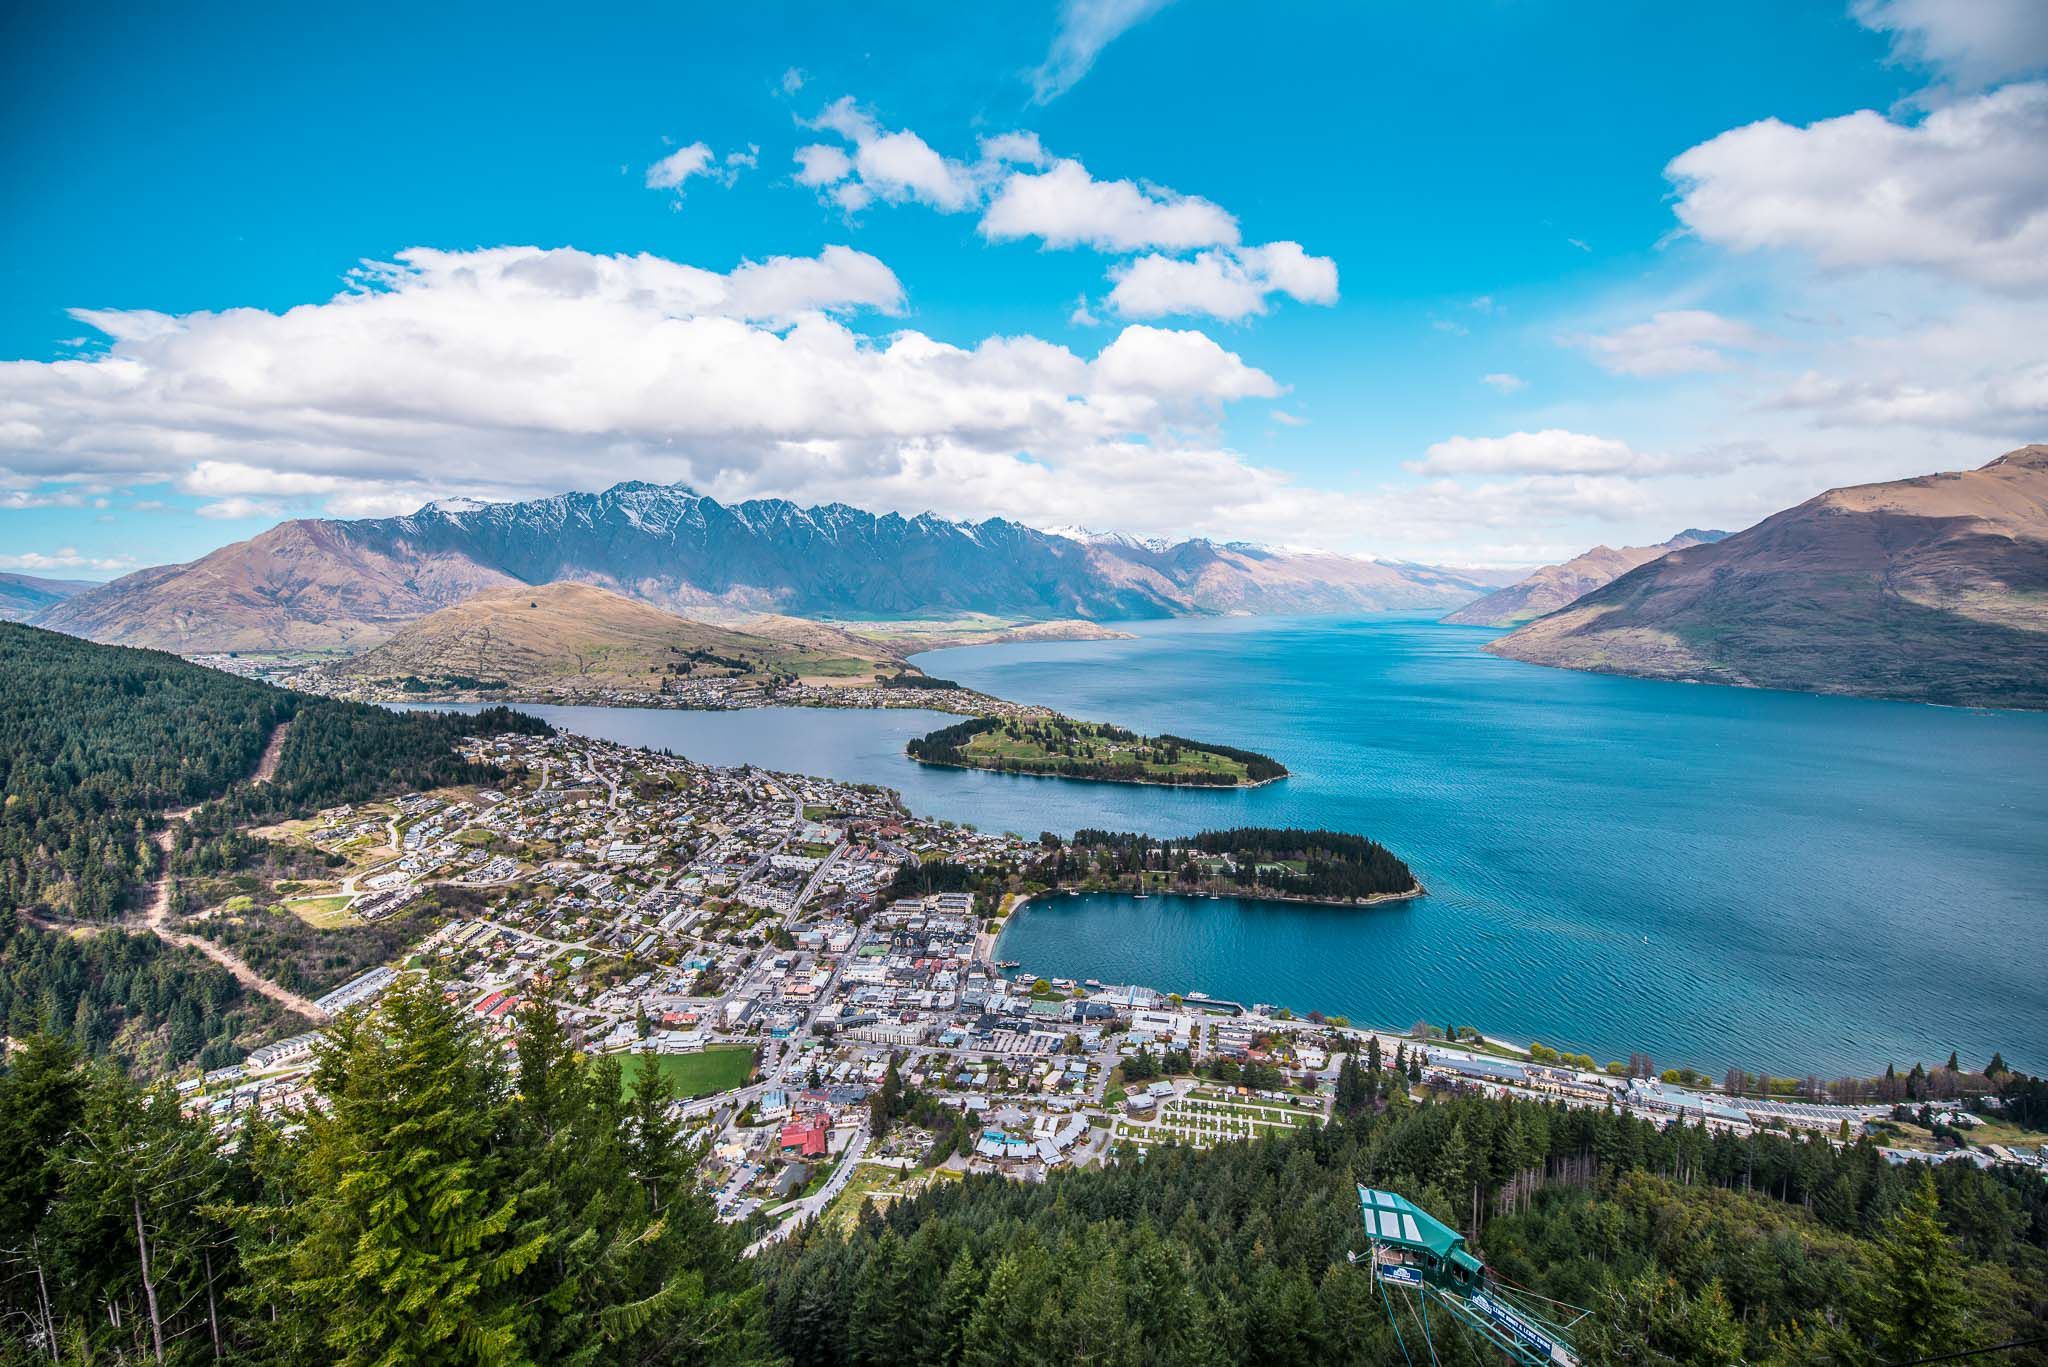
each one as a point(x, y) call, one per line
point(1722, 877)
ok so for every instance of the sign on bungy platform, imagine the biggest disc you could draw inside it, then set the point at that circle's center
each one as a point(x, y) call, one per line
point(1528, 1334)
point(1394, 1274)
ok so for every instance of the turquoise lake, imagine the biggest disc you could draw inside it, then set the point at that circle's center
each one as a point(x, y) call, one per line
point(1722, 877)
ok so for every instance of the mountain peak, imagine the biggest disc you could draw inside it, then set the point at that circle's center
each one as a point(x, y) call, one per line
point(644, 486)
point(453, 507)
point(2033, 457)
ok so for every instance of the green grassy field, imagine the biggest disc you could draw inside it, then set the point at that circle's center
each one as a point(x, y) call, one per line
point(321, 913)
point(718, 1069)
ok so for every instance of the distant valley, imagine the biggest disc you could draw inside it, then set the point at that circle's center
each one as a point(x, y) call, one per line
point(1557, 586)
point(23, 595)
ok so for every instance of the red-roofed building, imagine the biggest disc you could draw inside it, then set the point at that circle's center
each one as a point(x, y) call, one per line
point(806, 1136)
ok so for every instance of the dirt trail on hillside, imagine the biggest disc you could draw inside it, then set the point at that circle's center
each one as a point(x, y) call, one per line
point(157, 918)
point(266, 763)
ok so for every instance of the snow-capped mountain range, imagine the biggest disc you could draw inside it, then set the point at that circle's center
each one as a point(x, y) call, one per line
point(327, 584)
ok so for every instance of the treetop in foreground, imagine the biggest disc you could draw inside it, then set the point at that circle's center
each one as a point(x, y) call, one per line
point(447, 1202)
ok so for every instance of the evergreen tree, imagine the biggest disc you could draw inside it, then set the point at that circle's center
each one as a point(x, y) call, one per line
point(408, 1237)
point(1652, 1319)
point(946, 1321)
point(876, 1328)
point(1353, 1094)
point(135, 1237)
point(1916, 1303)
point(42, 1100)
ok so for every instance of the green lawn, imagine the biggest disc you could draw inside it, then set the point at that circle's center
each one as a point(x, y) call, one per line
point(321, 913)
point(718, 1069)
point(867, 1179)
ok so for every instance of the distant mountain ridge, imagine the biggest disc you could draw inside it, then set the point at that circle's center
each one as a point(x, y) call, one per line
point(1933, 589)
point(1556, 586)
point(24, 595)
point(317, 584)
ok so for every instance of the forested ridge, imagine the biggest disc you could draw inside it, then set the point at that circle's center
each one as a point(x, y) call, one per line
point(127, 996)
point(1687, 1248)
point(98, 742)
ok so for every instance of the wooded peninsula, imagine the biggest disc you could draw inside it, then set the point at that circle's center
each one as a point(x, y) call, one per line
point(1272, 864)
point(1064, 748)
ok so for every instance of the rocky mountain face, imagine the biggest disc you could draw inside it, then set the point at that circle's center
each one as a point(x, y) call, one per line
point(1932, 589)
point(22, 596)
point(317, 584)
point(1555, 586)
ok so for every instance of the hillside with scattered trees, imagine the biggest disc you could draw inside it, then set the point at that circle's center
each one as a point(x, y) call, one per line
point(101, 742)
point(99, 747)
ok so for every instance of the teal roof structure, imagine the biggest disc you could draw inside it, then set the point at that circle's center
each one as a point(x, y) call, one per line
point(1392, 1218)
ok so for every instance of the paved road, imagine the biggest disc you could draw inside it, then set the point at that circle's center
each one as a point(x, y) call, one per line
point(808, 1208)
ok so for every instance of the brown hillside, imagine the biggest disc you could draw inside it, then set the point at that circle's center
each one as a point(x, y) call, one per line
point(1933, 589)
point(538, 639)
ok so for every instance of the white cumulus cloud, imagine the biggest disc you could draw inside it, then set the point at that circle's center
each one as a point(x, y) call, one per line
point(1193, 262)
point(893, 165)
point(1974, 42)
point(678, 166)
point(697, 159)
point(1962, 193)
point(227, 509)
point(68, 558)
point(507, 372)
point(1229, 283)
point(1064, 206)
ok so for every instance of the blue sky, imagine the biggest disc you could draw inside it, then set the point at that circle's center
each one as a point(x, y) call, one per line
point(1484, 283)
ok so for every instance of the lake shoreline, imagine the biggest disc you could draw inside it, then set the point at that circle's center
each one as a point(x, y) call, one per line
point(1575, 892)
